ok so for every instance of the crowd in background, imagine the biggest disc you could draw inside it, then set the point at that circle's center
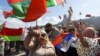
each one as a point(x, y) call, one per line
point(37, 41)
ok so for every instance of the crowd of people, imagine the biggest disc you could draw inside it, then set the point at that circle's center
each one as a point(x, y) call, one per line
point(39, 42)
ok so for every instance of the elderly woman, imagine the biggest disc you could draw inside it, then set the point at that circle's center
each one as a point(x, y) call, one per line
point(38, 44)
point(87, 44)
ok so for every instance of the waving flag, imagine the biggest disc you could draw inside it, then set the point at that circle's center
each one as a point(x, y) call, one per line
point(17, 8)
point(58, 38)
point(27, 10)
point(62, 42)
point(54, 2)
point(11, 34)
point(37, 9)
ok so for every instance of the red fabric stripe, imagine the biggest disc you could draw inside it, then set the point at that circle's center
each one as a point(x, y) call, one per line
point(6, 14)
point(11, 32)
point(36, 9)
point(13, 1)
point(59, 2)
point(58, 39)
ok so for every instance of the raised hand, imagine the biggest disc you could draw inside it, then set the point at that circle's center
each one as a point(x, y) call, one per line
point(79, 27)
point(32, 32)
point(70, 11)
point(36, 33)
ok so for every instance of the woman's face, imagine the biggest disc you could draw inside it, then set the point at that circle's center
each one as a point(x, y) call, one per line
point(89, 33)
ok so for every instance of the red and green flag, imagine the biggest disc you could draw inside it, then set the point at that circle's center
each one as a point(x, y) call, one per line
point(27, 10)
point(36, 9)
point(54, 2)
point(6, 14)
point(11, 34)
point(30, 10)
point(17, 8)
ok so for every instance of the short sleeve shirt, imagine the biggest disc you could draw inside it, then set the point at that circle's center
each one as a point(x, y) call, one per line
point(92, 50)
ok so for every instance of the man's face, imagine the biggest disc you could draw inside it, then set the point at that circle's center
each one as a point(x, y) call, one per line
point(48, 29)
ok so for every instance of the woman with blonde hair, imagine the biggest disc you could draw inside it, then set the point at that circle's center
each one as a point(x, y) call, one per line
point(38, 43)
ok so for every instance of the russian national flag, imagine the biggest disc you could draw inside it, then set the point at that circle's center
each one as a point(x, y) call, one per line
point(63, 41)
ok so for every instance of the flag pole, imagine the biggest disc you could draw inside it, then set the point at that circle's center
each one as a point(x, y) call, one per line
point(37, 27)
point(36, 23)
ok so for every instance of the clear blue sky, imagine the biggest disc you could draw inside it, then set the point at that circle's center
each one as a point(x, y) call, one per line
point(83, 6)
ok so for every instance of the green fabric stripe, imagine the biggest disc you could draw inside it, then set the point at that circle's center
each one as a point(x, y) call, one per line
point(20, 8)
point(11, 38)
point(18, 11)
point(0, 27)
point(50, 3)
point(26, 2)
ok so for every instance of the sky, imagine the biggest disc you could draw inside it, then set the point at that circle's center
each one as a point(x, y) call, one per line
point(83, 6)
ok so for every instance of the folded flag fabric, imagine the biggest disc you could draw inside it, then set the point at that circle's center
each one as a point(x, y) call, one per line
point(58, 38)
point(30, 10)
point(36, 9)
point(6, 14)
point(27, 10)
point(17, 8)
point(54, 2)
point(64, 42)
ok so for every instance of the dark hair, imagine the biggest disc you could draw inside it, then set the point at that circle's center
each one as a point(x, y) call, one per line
point(71, 30)
point(48, 25)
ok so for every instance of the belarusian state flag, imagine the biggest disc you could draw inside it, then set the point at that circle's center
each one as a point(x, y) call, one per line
point(11, 34)
point(36, 9)
point(17, 8)
point(28, 10)
point(54, 2)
